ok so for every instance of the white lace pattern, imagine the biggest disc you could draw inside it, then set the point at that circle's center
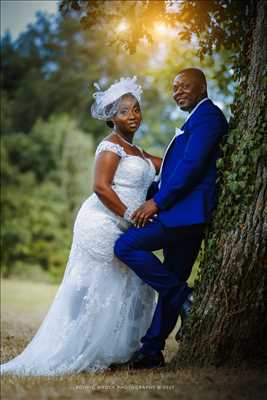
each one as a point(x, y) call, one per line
point(101, 308)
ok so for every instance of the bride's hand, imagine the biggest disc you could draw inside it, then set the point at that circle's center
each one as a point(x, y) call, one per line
point(144, 213)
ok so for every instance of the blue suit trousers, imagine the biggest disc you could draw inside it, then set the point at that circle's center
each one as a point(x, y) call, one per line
point(169, 278)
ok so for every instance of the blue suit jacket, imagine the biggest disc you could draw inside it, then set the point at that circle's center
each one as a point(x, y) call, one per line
point(188, 191)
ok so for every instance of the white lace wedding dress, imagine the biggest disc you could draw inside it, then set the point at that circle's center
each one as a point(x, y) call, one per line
point(101, 309)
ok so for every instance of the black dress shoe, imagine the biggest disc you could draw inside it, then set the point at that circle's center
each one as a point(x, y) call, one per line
point(184, 314)
point(140, 360)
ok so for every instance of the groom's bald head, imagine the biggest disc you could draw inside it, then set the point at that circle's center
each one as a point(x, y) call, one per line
point(195, 74)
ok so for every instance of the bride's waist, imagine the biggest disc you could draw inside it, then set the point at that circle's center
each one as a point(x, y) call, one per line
point(128, 194)
point(127, 199)
point(128, 186)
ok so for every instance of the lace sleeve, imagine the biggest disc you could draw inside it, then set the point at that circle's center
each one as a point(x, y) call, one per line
point(106, 145)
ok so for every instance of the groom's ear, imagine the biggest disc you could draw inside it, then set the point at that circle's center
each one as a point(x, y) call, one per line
point(203, 88)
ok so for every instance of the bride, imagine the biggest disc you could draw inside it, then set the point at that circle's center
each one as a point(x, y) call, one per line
point(101, 309)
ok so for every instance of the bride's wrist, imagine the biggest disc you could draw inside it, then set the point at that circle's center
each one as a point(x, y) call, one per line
point(128, 214)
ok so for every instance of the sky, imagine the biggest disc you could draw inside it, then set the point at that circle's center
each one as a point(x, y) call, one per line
point(17, 14)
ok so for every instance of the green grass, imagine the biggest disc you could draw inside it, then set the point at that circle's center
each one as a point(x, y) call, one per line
point(24, 305)
point(25, 296)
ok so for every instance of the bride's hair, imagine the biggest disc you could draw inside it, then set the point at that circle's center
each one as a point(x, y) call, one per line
point(110, 124)
point(111, 110)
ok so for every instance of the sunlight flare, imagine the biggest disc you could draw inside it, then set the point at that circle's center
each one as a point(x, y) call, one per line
point(122, 26)
point(160, 28)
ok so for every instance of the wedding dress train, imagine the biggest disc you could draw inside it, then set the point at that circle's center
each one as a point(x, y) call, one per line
point(101, 308)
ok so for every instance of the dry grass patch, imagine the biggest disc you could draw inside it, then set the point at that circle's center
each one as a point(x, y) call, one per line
point(20, 320)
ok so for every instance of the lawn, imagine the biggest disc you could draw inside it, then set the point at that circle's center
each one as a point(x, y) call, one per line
point(24, 305)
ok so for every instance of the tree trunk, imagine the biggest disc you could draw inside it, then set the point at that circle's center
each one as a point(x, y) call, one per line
point(228, 321)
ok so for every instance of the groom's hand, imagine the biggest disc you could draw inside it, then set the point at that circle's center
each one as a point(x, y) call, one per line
point(144, 213)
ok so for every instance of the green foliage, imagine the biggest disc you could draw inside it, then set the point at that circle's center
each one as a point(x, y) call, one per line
point(47, 85)
point(45, 175)
point(213, 27)
point(51, 68)
point(237, 168)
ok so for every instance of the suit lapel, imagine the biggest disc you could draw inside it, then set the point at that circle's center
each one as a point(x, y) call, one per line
point(166, 151)
point(175, 136)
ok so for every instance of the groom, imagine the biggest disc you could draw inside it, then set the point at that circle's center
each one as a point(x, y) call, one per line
point(181, 204)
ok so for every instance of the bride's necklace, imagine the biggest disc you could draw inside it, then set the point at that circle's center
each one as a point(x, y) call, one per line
point(126, 141)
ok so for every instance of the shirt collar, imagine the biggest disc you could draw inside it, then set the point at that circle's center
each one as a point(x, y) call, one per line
point(195, 108)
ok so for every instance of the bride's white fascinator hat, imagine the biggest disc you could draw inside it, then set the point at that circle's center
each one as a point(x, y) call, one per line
point(106, 102)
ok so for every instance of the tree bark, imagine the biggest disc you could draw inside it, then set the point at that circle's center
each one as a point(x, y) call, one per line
point(228, 321)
